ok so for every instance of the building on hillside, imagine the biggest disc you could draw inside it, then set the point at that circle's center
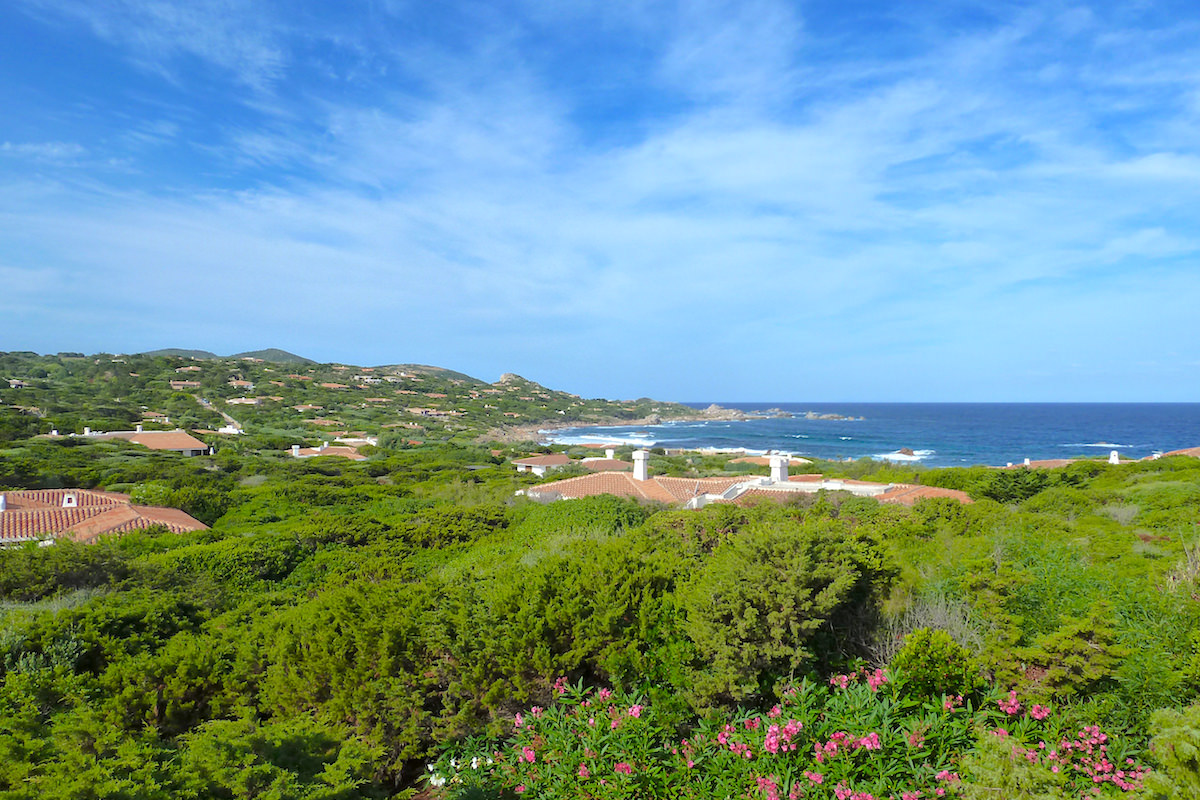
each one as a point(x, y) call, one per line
point(344, 451)
point(178, 440)
point(1055, 463)
point(82, 515)
point(699, 492)
point(179, 386)
point(540, 465)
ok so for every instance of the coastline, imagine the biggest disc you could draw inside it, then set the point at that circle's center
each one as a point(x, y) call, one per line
point(532, 432)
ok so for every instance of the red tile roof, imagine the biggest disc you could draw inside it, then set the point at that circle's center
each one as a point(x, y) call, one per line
point(680, 490)
point(552, 460)
point(177, 440)
point(39, 514)
point(907, 494)
point(334, 450)
point(606, 464)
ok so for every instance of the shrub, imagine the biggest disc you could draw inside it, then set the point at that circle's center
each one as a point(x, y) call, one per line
point(933, 663)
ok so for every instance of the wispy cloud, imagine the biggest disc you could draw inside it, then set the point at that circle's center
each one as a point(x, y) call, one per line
point(241, 37)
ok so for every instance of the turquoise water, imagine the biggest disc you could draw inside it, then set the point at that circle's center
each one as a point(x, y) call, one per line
point(938, 434)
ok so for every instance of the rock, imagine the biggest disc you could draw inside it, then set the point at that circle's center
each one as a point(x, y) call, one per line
point(906, 451)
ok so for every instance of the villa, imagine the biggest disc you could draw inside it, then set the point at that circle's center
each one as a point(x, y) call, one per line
point(699, 492)
point(540, 465)
point(82, 515)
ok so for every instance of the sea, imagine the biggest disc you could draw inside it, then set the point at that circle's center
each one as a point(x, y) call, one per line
point(931, 434)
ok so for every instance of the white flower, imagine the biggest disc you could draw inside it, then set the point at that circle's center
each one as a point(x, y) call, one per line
point(475, 762)
point(437, 780)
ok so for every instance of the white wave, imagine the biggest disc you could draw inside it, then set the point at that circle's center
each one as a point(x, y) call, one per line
point(845, 438)
point(1107, 445)
point(917, 455)
point(637, 441)
point(798, 435)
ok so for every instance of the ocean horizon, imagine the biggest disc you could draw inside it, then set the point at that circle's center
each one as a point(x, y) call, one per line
point(937, 434)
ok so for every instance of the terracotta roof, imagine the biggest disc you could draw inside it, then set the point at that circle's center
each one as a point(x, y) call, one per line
point(168, 440)
point(38, 514)
point(680, 490)
point(334, 450)
point(622, 484)
point(906, 494)
point(603, 464)
point(552, 460)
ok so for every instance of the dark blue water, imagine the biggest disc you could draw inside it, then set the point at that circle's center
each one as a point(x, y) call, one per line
point(939, 434)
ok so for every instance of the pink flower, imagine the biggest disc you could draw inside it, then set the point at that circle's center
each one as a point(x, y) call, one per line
point(815, 777)
point(775, 711)
point(635, 711)
point(876, 679)
point(560, 685)
point(536, 710)
point(623, 768)
point(520, 789)
point(518, 722)
point(1011, 705)
point(528, 754)
point(605, 694)
point(910, 795)
point(870, 742)
point(1039, 712)
point(592, 721)
point(583, 771)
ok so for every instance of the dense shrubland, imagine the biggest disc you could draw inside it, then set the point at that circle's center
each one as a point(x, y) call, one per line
point(342, 626)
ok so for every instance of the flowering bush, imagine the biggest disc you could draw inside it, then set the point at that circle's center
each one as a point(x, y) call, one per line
point(858, 737)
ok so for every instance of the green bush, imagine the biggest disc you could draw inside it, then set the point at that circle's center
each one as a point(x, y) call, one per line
point(933, 664)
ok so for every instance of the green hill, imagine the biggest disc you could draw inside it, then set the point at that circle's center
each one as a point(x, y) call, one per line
point(437, 372)
point(179, 352)
point(275, 355)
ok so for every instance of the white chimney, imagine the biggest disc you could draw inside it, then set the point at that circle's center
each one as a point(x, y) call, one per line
point(641, 465)
point(610, 452)
point(1027, 462)
point(3, 503)
point(139, 427)
point(70, 501)
point(54, 432)
point(779, 469)
point(1114, 457)
point(87, 431)
point(295, 451)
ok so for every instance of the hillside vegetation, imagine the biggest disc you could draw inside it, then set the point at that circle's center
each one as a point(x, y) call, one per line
point(407, 626)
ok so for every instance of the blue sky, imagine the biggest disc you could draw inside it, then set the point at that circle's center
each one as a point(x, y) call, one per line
point(752, 200)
